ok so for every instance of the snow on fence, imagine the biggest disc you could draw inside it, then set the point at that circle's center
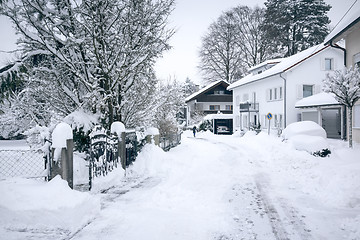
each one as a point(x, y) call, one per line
point(22, 163)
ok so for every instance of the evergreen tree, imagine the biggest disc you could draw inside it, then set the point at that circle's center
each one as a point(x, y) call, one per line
point(293, 26)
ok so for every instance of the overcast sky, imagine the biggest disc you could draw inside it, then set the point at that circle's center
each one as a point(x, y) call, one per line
point(191, 18)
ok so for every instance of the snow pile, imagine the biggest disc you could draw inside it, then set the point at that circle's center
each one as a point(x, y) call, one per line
point(81, 119)
point(118, 128)
point(308, 143)
point(32, 204)
point(152, 131)
point(59, 136)
point(309, 128)
point(115, 177)
point(151, 161)
point(307, 136)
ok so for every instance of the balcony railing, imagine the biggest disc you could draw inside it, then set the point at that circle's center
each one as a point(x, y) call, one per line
point(249, 107)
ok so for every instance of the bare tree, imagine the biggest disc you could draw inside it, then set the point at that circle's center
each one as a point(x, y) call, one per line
point(346, 87)
point(219, 55)
point(91, 53)
point(233, 43)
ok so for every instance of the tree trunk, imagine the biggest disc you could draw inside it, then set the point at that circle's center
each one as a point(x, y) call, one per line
point(350, 126)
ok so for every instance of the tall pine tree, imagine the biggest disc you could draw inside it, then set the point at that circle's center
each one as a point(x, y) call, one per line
point(294, 26)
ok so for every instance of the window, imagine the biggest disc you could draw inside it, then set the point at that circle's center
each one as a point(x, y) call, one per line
point(307, 90)
point(329, 64)
point(275, 93)
point(219, 92)
point(245, 97)
point(280, 93)
point(270, 95)
point(214, 107)
point(229, 107)
point(356, 114)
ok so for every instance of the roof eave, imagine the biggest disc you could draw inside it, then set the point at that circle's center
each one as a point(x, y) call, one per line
point(338, 35)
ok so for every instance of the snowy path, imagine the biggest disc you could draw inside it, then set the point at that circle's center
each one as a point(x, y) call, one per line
point(208, 195)
point(207, 188)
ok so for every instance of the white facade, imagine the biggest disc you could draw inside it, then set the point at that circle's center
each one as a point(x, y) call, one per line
point(292, 79)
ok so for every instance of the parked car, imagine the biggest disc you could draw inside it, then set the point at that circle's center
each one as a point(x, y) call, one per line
point(308, 136)
point(223, 129)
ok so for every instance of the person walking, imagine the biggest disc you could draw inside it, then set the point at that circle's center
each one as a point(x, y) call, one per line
point(194, 130)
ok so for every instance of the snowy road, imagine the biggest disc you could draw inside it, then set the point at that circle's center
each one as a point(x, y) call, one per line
point(222, 188)
point(209, 188)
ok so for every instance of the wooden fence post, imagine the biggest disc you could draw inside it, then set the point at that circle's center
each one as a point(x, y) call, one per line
point(153, 139)
point(68, 169)
point(122, 149)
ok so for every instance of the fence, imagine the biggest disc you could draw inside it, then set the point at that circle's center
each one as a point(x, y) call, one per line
point(22, 163)
point(106, 153)
point(169, 141)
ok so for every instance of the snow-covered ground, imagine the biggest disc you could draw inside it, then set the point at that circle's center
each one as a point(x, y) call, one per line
point(209, 187)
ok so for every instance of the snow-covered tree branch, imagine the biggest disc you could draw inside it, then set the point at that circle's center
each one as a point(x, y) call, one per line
point(345, 85)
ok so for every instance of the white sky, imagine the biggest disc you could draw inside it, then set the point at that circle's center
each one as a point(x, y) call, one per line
point(191, 18)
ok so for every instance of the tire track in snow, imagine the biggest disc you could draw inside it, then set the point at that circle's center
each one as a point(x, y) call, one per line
point(291, 217)
point(114, 192)
point(274, 218)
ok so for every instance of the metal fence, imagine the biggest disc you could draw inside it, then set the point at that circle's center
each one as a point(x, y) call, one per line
point(22, 163)
point(104, 156)
point(169, 141)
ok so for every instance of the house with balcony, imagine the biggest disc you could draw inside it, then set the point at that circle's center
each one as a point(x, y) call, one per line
point(212, 99)
point(276, 86)
point(348, 29)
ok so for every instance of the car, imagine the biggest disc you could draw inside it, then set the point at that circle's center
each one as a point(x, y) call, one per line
point(308, 136)
point(223, 129)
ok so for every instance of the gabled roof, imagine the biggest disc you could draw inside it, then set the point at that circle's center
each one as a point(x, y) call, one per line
point(285, 65)
point(205, 89)
point(351, 17)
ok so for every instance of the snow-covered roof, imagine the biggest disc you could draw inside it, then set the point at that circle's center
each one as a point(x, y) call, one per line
point(271, 61)
point(320, 99)
point(192, 96)
point(218, 116)
point(283, 66)
point(351, 17)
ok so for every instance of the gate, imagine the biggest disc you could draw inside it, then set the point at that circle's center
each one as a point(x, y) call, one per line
point(104, 153)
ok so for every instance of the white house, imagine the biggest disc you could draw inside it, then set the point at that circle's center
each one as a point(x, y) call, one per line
point(349, 29)
point(276, 86)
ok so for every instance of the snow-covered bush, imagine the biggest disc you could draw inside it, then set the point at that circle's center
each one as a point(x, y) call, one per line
point(307, 136)
point(206, 125)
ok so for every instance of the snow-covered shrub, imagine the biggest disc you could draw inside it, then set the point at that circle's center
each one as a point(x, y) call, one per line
point(81, 123)
point(206, 125)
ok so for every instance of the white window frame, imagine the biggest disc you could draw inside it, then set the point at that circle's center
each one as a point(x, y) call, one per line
point(327, 66)
point(303, 90)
